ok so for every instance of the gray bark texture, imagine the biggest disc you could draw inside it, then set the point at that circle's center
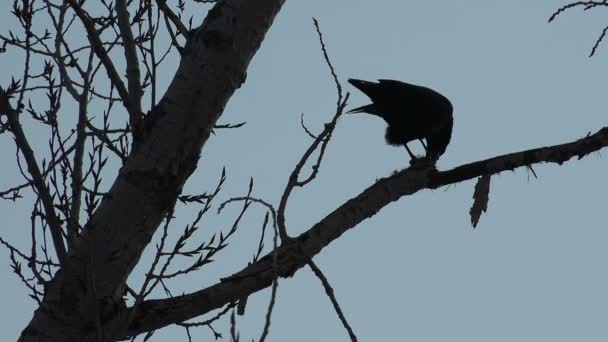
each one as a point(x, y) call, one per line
point(84, 300)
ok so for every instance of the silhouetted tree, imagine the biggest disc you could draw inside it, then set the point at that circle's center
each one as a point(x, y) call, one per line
point(98, 232)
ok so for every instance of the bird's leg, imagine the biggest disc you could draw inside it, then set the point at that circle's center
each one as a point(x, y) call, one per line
point(426, 150)
point(410, 152)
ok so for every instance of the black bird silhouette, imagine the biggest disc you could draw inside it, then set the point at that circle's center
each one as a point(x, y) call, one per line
point(411, 112)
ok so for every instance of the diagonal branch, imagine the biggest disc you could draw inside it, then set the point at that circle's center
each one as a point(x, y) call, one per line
point(330, 293)
point(34, 170)
point(101, 53)
point(77, 175)
point(162, 4)
point(51, 165)
point(133, 74)
point(296, 253)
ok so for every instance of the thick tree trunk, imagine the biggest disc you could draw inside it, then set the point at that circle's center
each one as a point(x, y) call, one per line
point(87, 294)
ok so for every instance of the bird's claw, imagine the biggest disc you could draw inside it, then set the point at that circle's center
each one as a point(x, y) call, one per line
point(422, 162)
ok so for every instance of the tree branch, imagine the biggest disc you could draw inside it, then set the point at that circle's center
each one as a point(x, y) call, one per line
point(100, 52)
point(293, 255)
point(330, 293)
point(77, 177)
point(162, 4)
point(34, 170)
point(320, 143)
point(133, 74)
point(212, 66)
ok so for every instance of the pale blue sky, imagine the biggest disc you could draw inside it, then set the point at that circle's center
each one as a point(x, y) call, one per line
point(534, 270)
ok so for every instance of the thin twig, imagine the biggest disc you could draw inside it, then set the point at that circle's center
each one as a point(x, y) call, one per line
point(275, 284)
point(96, 44)
point(331, 67)
point(310, 134)
point(131, 59)
point(162, 4)
point(587, 5)
point(330, 293)
point(210, 320)
point(29, 259)
point(77, 180)
point(321, 140)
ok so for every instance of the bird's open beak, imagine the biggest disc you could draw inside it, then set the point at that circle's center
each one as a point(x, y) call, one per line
point(363, 109)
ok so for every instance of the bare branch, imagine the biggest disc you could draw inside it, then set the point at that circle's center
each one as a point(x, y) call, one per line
point(275, 283)
point(77, 180)
point(34, 170)
point(52, 164)
point(162, 4)
point(296, 253)
point(587, 5)
point(233, 333)
point(310, 134)
point(133, 74)
point(33, 266)
point(330, 293)
point(598, 41)
point(16, 266)
point(210, 320)
point(331, 67)
point(102, 135)
point(96, 44)
point(23, 255)
point(321, 140)
point(226, 126)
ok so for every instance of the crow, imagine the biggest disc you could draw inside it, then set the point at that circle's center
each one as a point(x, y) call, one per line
point(412, 113)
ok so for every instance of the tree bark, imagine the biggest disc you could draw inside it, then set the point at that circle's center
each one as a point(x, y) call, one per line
point(88, 291)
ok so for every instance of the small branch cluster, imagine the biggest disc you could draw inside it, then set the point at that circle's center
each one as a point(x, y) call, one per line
point(319, 145)
point(585, 5)
point(59, 78)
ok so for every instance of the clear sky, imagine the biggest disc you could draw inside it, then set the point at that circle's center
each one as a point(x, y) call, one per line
point(533, 270)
